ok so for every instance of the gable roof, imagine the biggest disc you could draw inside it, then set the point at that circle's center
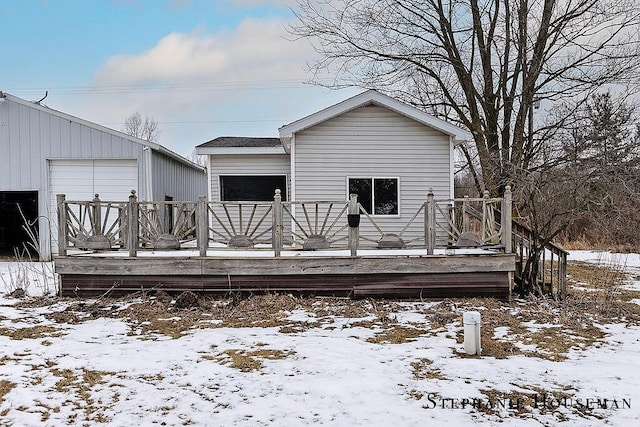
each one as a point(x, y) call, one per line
point(372, 97)
point(156, 147)
point(241, 145)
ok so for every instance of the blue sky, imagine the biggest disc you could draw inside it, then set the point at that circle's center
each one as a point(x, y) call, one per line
point(201, 68)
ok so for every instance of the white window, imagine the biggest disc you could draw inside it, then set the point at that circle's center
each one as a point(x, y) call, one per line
point(378, 196)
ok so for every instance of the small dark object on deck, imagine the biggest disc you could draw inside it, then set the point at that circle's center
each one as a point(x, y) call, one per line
point(98, 242)
point(391, 241)
point(167, 241)
point(240, 241)
point(468, 239)
point(187, 300)
point(353, 220)
point(315, 241)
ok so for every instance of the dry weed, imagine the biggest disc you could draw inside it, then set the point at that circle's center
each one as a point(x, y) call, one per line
point(247, 361)
point(33, 332)
point(422, 370)
point(5, 388)
point(397, 335)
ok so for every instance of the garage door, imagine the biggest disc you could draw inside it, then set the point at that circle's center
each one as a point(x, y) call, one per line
point(113, 180)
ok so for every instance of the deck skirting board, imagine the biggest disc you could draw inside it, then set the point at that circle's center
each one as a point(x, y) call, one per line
point(433, 276)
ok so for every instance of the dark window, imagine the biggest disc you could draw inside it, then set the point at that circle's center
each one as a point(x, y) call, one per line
point(376, 195)
point(255, 188)
point(16, 207)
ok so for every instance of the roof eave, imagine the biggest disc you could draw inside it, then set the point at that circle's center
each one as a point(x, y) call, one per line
point(239, 150)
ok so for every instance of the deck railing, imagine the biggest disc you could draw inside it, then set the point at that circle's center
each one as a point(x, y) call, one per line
point(134, 225)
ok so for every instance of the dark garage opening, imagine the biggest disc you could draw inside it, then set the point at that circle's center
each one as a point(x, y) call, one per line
point(13, 236)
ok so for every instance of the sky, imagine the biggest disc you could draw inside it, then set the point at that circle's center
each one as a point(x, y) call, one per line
point(200, 68)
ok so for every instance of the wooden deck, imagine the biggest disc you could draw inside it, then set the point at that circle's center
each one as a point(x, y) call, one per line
point(327, 247)
point(398, 275)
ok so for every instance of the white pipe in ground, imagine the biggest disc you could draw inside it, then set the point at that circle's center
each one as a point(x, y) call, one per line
point(471, 321)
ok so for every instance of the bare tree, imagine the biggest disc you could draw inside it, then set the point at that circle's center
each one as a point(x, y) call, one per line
point(198, 159)
point(484, 64)
point(147, 129)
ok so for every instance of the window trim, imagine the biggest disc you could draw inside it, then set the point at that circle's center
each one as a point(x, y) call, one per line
point(284, 192)
point(373, 178)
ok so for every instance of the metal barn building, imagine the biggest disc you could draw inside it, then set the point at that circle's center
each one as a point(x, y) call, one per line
point(44, 152)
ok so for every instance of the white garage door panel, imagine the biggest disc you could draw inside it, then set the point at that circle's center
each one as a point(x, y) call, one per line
point(113, 180)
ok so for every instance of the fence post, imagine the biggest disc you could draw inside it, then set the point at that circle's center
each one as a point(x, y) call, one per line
point(506, 219)
point(562, 274)
point(354, 232)
point(97, 216)
point(62, 225)
point(276, 229)
point(202, 225)
point(430, 225)
point(132, 224)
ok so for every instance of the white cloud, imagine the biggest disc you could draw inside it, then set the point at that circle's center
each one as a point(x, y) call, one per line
point(247, 81)
point(256, 51)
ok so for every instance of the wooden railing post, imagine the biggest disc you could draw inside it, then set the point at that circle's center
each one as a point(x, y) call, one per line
point(62, 225)
point(354, 232)
point(507, 221)
point(430, 225)
point(202, 225)
point(276, 229)
point(97, 216)
point(465, 216)
point(132, 224)
point(485, 216)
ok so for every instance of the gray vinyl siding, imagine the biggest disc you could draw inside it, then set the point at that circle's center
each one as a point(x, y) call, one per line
point(372, 141)
point(175, 179)
point(259, 164)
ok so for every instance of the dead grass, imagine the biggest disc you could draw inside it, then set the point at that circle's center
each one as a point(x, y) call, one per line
point(247, 361)
point(5, 388)
point(32, 332)
point(79, 386)
point(396, 334)
point(422, 369)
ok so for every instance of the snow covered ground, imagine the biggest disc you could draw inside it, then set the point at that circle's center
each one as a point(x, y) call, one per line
point(322, 361)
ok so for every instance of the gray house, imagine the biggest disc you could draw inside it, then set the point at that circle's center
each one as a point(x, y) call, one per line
point(46, 152)
point(387, 152)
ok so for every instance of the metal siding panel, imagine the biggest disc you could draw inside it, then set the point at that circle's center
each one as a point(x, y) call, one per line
point(24, 158)
point(5, 146)
point(14, 145)
point(75, 141)
point(85, 142)
point(95, 137)
point(65, 138)
point(175, 179)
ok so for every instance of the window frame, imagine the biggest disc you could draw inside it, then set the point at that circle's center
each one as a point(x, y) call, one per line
point(284, 191)
point(373, 199)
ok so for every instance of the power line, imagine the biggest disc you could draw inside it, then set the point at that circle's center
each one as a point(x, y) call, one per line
point(158, 87)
